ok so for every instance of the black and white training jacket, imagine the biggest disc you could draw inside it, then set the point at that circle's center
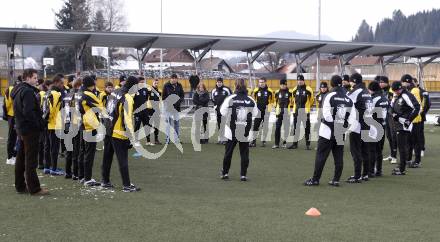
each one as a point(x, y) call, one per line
point(361, 99)
point(239, 109)
point(404, 107)
point(219, 94)
point(337, 113)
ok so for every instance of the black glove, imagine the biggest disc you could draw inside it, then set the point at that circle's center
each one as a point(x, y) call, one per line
point(407, 123)
point(130, 146)
point(4, 117)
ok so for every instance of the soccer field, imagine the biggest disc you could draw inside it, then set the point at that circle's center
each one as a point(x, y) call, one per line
point(183, 199)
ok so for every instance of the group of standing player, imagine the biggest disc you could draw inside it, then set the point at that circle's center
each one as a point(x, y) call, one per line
point(346, 110)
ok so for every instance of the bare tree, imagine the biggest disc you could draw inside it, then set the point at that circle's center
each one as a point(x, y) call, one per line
point(271, 60)
point(114, 15)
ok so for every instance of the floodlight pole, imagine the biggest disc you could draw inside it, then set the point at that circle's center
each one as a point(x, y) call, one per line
point(161, 31)
point(318, 55)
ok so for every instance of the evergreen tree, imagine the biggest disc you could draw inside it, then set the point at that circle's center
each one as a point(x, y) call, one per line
point(365, 33)
point(421, 28)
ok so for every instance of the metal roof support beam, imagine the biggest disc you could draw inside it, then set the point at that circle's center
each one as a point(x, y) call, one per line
point(260, 49)
point(11, 57)
point(421, 66)
point(356, 50)
point(253, 57)
point(318, 70)
point(393, 58)
point(142, 51)
point(436, 56)
point(300, 60)
point(420, 71)
point(341, 65)
point(298, 64)
point(206, 47)
point(395, 55)
point(315, 47)
point(79, 54)
point(307, 55)
point(382, 66)
point(351, 55)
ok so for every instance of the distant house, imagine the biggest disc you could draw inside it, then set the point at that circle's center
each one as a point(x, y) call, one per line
point(172, 58)
point(288, 68)
point(215, 64)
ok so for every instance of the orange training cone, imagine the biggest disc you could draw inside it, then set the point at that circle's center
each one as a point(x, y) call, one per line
point(313, 212)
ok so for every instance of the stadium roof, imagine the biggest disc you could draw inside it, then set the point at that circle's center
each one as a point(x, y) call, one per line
point(198, 42)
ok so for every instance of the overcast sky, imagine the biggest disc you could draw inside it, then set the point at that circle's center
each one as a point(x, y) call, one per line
point(340, 18)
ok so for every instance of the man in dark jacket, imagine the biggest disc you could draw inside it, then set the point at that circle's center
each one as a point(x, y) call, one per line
point(173, 89)
point(201, 100)
point(283, 102)
point(390, 132)
point(29, 122)
point(218, 95)
point(264, 96)
point(141, 116)
point(380, 105)
point(361, 150)
point(337, 109)
point(405, 108)
point(346, 83)
point(238, 109)
point(194, 82)
point(426, 105)
point(302, 104)
point(153, 107)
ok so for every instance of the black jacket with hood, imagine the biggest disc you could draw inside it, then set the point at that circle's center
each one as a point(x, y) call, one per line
point(28, 115)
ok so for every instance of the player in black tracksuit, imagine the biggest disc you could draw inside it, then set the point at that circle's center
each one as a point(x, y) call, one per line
point(361, 150)
point(264, 96)
point(389, 129)
point(153, 108)
point(89, 103)
point(72, 123)
point(283, 102)
point(346, 83)
point(107, 157)
point(426, 105)
point(319, 99)
point(405, 109)
point(218, 95)
point(140, 107)
point(8, 115)
point(65, 91)
point(336, 111)
point(380, 112)
point(302, 104)
point(238, 109)
point(416, 140)
point(201, 100)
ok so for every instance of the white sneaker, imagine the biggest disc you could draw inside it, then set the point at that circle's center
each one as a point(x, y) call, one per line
point(10, 161)
point(393, 160)
point(422, 154)
point(137, 144)
point(387, 158)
